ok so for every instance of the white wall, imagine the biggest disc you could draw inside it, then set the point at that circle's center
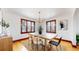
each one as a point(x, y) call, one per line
point(15, 27)
point(76, 23)
point(0, 21)
point(43, 24)
point(69, 33)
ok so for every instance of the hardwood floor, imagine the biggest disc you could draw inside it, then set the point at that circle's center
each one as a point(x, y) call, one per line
point(66, 46)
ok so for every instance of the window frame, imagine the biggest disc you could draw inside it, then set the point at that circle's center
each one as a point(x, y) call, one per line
point(27, 26)
point(50, 31)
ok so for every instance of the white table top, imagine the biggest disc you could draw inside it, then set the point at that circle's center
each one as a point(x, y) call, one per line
point(50, 36)
point(47, 35)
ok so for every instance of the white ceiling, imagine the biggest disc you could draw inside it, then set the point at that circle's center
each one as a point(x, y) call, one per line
point(44, 12)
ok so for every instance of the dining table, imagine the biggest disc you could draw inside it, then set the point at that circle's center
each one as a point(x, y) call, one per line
point(46, 37)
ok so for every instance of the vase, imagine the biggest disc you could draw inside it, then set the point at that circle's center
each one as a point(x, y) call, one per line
point(40, 32)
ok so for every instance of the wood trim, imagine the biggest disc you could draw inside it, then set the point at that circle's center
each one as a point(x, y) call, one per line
point(68, 41)
point(27, 26)
point(50, 26)
point(74, 46)
point(21, 39)
point(21, 26)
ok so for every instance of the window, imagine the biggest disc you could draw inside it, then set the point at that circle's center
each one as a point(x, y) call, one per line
point(51, 26)
point(27, 26)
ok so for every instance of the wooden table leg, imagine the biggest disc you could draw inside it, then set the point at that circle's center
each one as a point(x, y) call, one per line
point(45, 44)
point(37, 43)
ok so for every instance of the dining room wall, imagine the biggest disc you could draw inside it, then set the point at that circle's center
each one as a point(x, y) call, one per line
point(76, 21)
point(0, 23)
point(65, 34)
point(69, 33)
point(14, 21)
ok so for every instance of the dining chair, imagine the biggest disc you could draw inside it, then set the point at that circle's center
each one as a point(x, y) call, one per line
point(30, 41)
point(35, 42)
point(42, 43)
point(56, 43)
point(38, 43)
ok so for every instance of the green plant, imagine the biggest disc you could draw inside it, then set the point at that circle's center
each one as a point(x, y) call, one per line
point(4, 24)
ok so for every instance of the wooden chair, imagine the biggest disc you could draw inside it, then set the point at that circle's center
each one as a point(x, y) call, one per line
point(37, 43)
point(34, 42)
point(42, 43)
point(30, 41)
point(30, 38)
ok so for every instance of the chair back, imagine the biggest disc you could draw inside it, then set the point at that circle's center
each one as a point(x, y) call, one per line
point(35, 39)
point(60, 40)
point(30, 36)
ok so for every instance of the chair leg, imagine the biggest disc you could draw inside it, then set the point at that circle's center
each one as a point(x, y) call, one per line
point(28, 43)
point(37, 46)
point(50, 47)
point(57, 48)
point(32, 45)
point(60, 47)
point(43, 48)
